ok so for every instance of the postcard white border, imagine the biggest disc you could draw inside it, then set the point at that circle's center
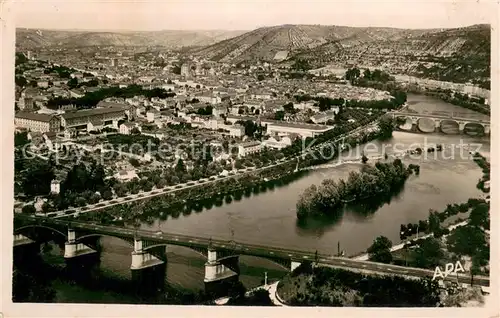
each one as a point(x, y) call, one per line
point(9, 309)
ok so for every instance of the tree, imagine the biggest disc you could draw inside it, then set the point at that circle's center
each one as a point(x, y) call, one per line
point(73, 83)
point(386, 125)
point(120, 189)
point(135, 131)
point(367, 74)
point(37, 177)
point(180, 167)
point(288, 108)
point(134, 162)
point(434, 222)
point(352, 74)
point(480, 216)
point(80, 201)
point(20, 138)
point(379, 251)
point(260, 77)
point(21, 81)
point(94, 198)
point(466, 240)
point(29, 209)
point(279, 115)
point(238, 164)
point(428, 254)
point(46, 207)
point(475, 269)
point(161, 183)
point(364, 159)
point(107, 194)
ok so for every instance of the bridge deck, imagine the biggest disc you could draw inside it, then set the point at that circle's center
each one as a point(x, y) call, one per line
point(264, 251)
point(443, 116)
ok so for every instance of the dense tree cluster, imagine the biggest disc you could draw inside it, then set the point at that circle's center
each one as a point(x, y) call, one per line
point(301, 65)
point(20, 138)
point(207, 110)
point(433, 223)
point(36, 175)
point(91, 99)
point(252, 129)
point(471, 241)
point(485, 166)
point(20, 58)
point(204, 195)
point(332, 287)
point(372, 180)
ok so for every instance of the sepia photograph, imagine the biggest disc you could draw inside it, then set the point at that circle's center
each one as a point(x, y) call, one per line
point(249, 154)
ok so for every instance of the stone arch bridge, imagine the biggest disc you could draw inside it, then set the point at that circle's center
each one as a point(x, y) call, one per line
point(448, 123)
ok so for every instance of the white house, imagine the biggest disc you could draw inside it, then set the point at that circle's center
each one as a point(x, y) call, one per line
point(152, 114)
point(126, 128)
point(55, 186)
point(248, 148)
point(237, 131)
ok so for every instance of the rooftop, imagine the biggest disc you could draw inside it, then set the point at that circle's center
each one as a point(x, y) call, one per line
point(34, 116)
point(91, 112)
point(297, 125)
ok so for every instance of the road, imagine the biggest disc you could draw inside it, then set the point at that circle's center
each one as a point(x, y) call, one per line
point(239, 248)
point(171, 189)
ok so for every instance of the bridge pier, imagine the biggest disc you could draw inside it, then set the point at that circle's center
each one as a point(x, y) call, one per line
point(141, 259)
point(461, 126)
point(20, 239)
point(486, 129)
point(74, 249)
point(217, 275)
point(294, 265)
point(148, 271)
point(437, 125)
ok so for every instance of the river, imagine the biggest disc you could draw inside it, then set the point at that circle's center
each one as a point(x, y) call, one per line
point(269, 218)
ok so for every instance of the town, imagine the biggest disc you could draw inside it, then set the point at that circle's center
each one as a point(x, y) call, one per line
point(126, 142)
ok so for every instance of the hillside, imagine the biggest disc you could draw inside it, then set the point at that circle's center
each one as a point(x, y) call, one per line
point(458, 55)
point(264, 43)
point(31, 38)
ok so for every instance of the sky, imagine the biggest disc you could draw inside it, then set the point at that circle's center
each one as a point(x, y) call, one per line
point(145, 15)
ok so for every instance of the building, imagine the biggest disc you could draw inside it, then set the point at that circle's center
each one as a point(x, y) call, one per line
point(126, 128)
point(219, 111)
point(237, 131)
point(26, 103)
point(285, 128)
point(80, 119)
point(185, 70)
point(37, 122)
point(248, 148)
point(152, 115)
point(55, 186)
point(278, 142)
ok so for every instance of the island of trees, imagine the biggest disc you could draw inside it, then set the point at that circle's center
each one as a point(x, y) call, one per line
point(372, 180)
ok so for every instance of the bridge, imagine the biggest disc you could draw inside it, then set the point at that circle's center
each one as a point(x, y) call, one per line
point(149, 250)
point(445, 122)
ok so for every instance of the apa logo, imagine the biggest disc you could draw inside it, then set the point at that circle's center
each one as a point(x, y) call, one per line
point(449, 269)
